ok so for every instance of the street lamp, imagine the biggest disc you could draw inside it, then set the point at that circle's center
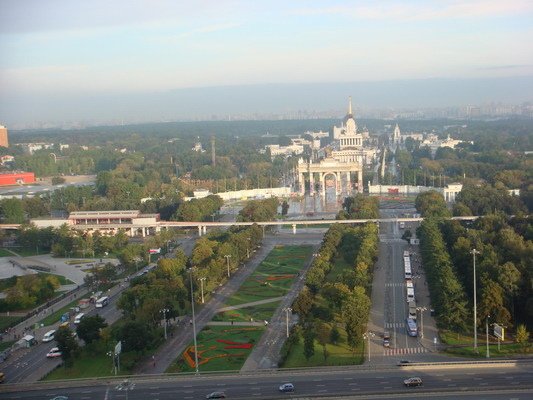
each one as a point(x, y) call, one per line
point(228, 256)
point(202, 287)
point(164, 312)
point(421, 311)
point(474, 252)
point(368, 335)
point(487, 334)
point(193, 325)
point(287, 311)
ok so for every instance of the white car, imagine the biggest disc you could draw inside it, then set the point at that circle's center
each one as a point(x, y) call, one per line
point(53, 353)
point(286, 387)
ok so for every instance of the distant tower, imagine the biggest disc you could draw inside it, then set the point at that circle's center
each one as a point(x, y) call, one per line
point(397, 136)
point(4, 142)
point(213, 155)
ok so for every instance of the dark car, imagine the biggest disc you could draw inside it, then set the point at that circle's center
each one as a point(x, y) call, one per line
point(216, 395)
point(414, 381)
point(403, 362)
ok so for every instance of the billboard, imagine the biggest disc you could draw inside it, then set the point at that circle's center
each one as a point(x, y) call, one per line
point(499, 332)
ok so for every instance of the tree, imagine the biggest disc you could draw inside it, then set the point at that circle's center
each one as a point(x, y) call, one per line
point(407, 235)
point(135, 336)
point(89, 328)
point(335, 335)
point(431, 204)
point(355, 315)
point(12, 211)
point(522, 336)
point(309, 343)
point(323, 335)
point(67, 345)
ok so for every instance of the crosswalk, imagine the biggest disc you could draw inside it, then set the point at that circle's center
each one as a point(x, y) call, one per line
point(407, 350)
point(391, 325)
point(395, 284)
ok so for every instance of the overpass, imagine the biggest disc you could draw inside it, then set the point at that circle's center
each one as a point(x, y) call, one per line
point(203, 225)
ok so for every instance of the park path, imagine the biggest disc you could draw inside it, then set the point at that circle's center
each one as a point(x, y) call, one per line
point(251, 304)
point(179, 340)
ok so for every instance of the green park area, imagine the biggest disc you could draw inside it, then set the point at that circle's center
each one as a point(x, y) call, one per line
point(274, 276)
point(222, 348)
point(462, 346)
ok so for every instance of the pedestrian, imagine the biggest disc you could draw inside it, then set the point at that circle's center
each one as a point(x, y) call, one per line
point(153, 360)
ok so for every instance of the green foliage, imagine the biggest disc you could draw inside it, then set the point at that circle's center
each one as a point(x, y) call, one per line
point(309, 343)
point(522, 336)
point(198, 209)
point(447, 294)
point(89, 328)
point(30, 290)
point(485, 199)
point(431, 204)
point(259, 210)
point(67, 344)
point(359, 207)
point(11, 211)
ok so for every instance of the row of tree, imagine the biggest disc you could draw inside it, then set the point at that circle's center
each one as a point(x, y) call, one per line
point(28, 291)
point(327, 303)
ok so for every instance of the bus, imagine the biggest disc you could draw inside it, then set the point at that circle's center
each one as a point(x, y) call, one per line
point(410, 325)
point(408, 274)
point(405, 253)
point(410, 295)
point(102, 302)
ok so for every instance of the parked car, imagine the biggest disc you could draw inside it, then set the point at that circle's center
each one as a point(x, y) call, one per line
point(414, 381)
point(286, 387)
point(216, 395)
point(53, 353)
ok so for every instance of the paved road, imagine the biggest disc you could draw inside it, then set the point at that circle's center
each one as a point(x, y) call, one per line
point(512, 382)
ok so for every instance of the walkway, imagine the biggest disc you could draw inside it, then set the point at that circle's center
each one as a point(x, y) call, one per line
point(251, 304)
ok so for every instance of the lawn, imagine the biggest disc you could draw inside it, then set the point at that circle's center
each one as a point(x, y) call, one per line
point(258, 312)
point(6, 345)
point(339, 266)
point(26, 251)
point(220, 348)
point(507, 349)
point(5, 253)
point(54, 317)
point(87, 366)
point(62, 280)
point(339, 354)
point(274, 276)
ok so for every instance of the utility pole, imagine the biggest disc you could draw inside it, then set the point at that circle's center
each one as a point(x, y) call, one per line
point(164, 312)
point(228, 256)
point(474, 252)
point(193, 325)
point(202, 287)
point(487, 334)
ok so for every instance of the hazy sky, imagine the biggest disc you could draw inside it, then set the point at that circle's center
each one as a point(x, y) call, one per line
point(53, 49)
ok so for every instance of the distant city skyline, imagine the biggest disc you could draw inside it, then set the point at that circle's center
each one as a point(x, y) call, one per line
point(71, 60)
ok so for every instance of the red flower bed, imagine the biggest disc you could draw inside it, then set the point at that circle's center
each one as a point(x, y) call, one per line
point(227, 341)
point(240, 346)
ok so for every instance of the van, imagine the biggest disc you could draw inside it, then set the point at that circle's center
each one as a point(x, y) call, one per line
point(78, 318)
point(49, 336)
point(102, 302)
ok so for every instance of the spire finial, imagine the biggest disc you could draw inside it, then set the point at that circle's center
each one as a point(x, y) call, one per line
point(350, 105)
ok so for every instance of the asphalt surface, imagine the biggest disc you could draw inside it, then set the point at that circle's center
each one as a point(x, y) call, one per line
point(505, 382)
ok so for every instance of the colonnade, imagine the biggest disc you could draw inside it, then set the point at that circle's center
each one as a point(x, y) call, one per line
point(322, 181)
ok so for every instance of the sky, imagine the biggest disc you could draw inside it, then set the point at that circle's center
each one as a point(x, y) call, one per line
point(78, 53)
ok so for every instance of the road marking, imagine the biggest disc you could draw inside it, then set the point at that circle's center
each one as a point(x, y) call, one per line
point(483, 383)
point(349, 379)
point(452, 384)
point(87, 392)
point(354, 389)
point(221, 384)
point(387, 387)
point(447, 380)
point(353, 384)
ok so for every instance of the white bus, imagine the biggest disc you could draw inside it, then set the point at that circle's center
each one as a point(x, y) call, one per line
point(102, 302)
point(78, 318)
point(409, 285)
point(410, 295)
point(408, 274)
point(405, 253)
point(411, 327)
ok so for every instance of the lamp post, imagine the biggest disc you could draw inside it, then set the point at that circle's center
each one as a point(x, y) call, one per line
point(474, 252)
point(193, 325)
point(228, 256)
point(164, 312)
point(287, 311)
point(421, 311)
point(202, 287)
point(367, 336)
point(487, 335)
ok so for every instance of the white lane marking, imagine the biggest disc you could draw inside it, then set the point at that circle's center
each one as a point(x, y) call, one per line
point(349, 379)
point(452, 384)
point(354, 389)
point(353, 384)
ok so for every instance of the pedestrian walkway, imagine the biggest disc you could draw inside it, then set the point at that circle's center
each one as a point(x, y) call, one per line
point(395, 284)
point(235, 323)
point(407, 350)
point(251, 304)
point(391, 325)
